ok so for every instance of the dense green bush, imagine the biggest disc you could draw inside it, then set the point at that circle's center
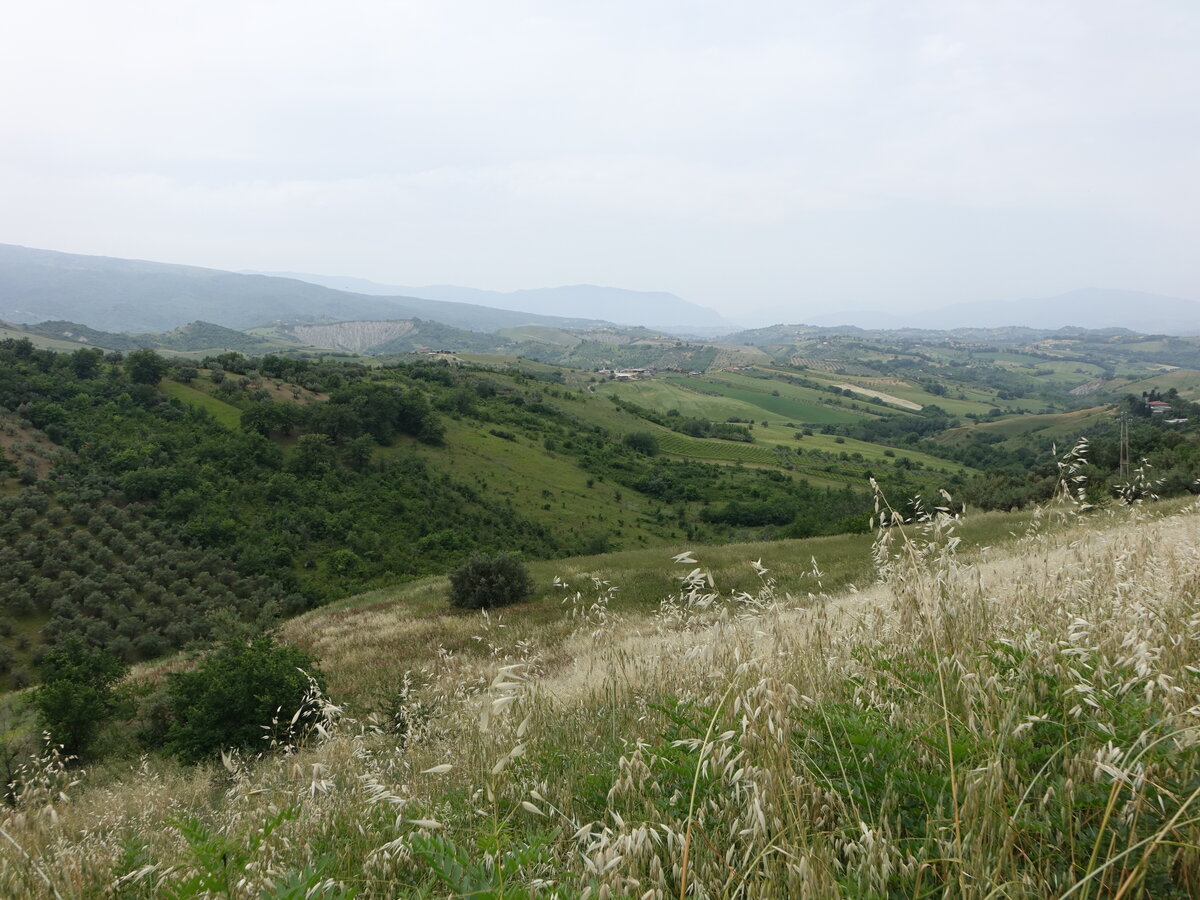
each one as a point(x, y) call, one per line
point(484, 582)
point(643, 442)
point(226, 701)
point(77, 694)
point(146, 367)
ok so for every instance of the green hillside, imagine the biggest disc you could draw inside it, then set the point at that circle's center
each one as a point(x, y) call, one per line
point(152, 505)
point(222, 412)
point(1021, 430)
point(194, 338)
point(719, 399)
point(1185, 381)
point(329, 476)
point(11, 332)
point(541, 333)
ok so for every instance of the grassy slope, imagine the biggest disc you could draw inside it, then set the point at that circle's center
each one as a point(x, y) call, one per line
point(960, 400)
point(39, 341)
point(829, 753)
point(656, 394)
point(224, 413)
point(1017, 431)
point(1186, 381)
point(643, 577)
point(547, 487)
point(799, 404)
point(717, 402)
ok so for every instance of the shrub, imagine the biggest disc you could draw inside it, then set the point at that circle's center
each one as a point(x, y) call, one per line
point(484, 582)
point(643, 442)
point(77, 694)
point(226, 701)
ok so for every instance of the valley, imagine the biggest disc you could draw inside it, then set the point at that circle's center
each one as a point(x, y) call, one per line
point(329, 472)
point(189, 511)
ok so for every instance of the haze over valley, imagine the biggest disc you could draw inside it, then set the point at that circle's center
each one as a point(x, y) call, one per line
point(141, 296)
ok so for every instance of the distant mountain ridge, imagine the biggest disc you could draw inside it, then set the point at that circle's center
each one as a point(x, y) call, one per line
point(124, 295)
point(1091, 308)
point(1012, 335)
point(651, 309)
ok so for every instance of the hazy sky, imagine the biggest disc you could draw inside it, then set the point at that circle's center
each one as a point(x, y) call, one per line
point(795, 155)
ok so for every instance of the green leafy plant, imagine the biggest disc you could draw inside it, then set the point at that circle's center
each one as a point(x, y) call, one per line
point(227, 700)
point(77, 694)
point(484, 582)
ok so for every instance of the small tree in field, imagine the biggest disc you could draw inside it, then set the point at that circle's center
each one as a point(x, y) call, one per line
point(484, 582)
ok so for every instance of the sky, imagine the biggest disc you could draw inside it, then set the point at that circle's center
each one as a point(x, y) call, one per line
point(763, 159)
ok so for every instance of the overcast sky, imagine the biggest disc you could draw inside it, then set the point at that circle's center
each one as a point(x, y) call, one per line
point(794, 155)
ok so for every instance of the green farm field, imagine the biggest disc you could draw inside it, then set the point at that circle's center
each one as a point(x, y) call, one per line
point(828, 443)
point(773, 385)
point(717, 400)
point(1186, 381)
point(661, 396)
point(225, 414)
point(959, 400)
point(802, 411)
point(714, 450)
point(1024, 429)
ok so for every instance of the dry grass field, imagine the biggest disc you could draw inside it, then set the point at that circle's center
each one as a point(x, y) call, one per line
point(1016, 722)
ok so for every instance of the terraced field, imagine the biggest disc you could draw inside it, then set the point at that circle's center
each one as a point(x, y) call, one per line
point(712, 449)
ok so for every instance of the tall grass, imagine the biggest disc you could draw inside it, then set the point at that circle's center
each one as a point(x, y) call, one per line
point(1009, 725)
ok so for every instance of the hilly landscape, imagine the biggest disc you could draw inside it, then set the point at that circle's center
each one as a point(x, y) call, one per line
point(718, 560)
point(1092, 308)
point(139, 296)
point(651, 309)
point(600, 451)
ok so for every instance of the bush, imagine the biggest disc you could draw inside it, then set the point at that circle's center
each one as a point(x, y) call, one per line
point(484, 582)
point(643, 442)
point(77, 694)
point(226, 700)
